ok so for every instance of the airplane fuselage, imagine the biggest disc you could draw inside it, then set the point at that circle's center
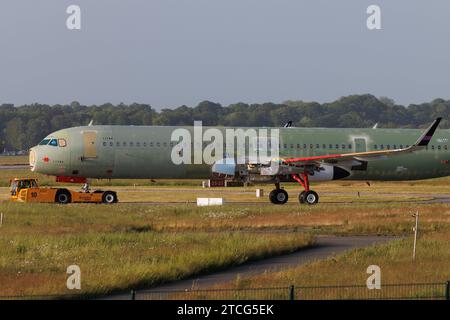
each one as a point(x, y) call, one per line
point(143, 152)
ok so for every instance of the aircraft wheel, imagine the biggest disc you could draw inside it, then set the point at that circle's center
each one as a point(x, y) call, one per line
point(109, 197)
point(300, 197)
point(310, 197)
point(63, 197)
point(278, 196)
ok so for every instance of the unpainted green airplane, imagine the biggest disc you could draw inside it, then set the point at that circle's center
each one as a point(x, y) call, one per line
point(305, 154)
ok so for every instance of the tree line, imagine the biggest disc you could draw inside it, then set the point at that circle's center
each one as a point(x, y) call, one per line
point(24, 126)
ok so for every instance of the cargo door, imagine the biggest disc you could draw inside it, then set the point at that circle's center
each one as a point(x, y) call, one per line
point(89, 144)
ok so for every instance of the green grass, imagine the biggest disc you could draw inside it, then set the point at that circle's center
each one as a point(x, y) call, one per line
point(131, 245)
point(394, 258)
point(115, 252)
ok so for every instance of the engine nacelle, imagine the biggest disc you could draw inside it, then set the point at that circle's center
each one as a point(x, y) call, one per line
point(328, 173)
point(229, 167)
point(224, 166)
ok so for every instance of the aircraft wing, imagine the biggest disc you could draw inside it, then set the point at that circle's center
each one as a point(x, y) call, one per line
point(422, 142)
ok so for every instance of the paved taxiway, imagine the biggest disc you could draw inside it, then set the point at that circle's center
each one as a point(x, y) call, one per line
point(14, 167)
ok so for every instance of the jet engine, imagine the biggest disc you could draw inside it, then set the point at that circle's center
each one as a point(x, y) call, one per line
point(327, 173)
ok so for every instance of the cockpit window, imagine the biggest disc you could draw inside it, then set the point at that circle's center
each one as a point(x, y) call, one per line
point(53, 143)
point(44, 142)
point(62, 142)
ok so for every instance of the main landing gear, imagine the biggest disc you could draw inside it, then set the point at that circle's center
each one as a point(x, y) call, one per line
point(280, 196)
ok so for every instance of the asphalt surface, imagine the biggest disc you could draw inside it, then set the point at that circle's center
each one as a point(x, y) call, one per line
point(325, 247)
point(433, 198)
point(14, 167)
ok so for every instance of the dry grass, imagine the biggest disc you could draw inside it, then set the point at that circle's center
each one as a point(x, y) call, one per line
point(114, 252)
point(394, 258)
point(128, 245)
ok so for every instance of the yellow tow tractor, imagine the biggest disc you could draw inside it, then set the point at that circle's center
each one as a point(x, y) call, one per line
point(28, 190)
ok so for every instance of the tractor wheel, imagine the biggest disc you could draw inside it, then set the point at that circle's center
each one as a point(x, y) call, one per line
point(63, 197)
point(109, 197)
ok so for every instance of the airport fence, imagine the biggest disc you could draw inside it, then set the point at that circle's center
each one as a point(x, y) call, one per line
point(416, 291)
point(387, 291)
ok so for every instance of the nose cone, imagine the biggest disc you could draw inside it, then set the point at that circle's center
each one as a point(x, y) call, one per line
point(33, 159)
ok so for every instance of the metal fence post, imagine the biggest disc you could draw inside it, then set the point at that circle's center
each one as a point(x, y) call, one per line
point(447, 290)
point(133, 295)
point(291, 293)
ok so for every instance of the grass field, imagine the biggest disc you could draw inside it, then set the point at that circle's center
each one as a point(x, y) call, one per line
point(432, 265)
point(115, 248)
point(135, 244)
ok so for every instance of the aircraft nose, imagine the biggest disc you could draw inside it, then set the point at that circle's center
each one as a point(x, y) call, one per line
point(33, 157)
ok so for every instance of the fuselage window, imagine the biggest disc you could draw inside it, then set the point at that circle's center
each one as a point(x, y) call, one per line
point(343, 146)
point(131, 144)
point(310, 145)
point(172, 144)
point(44, 142)
point(117, 144)
point(439, 147)
point(375, 147)
point(317, 146)
point(53, 143)
point(151, 144)
point(304, 146)
point(445, 147)
point(407, 146)
point(124, 144)
point(331, 146)
point(432, 147)
point(104, 144)
point(401, 146)
point(349, 145)
point(394, 146)
point(324, 146)
point(138, 144)
point(111, 144)
point(145, 144)
point(298, 146)
point(337, 146)
point(292, 146)
point(62, 142)
point(388, 147)
point(165, 144)
point(285, 146)
point(158, 144)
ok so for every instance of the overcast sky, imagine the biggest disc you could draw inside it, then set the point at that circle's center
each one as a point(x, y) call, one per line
point(173, 52)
